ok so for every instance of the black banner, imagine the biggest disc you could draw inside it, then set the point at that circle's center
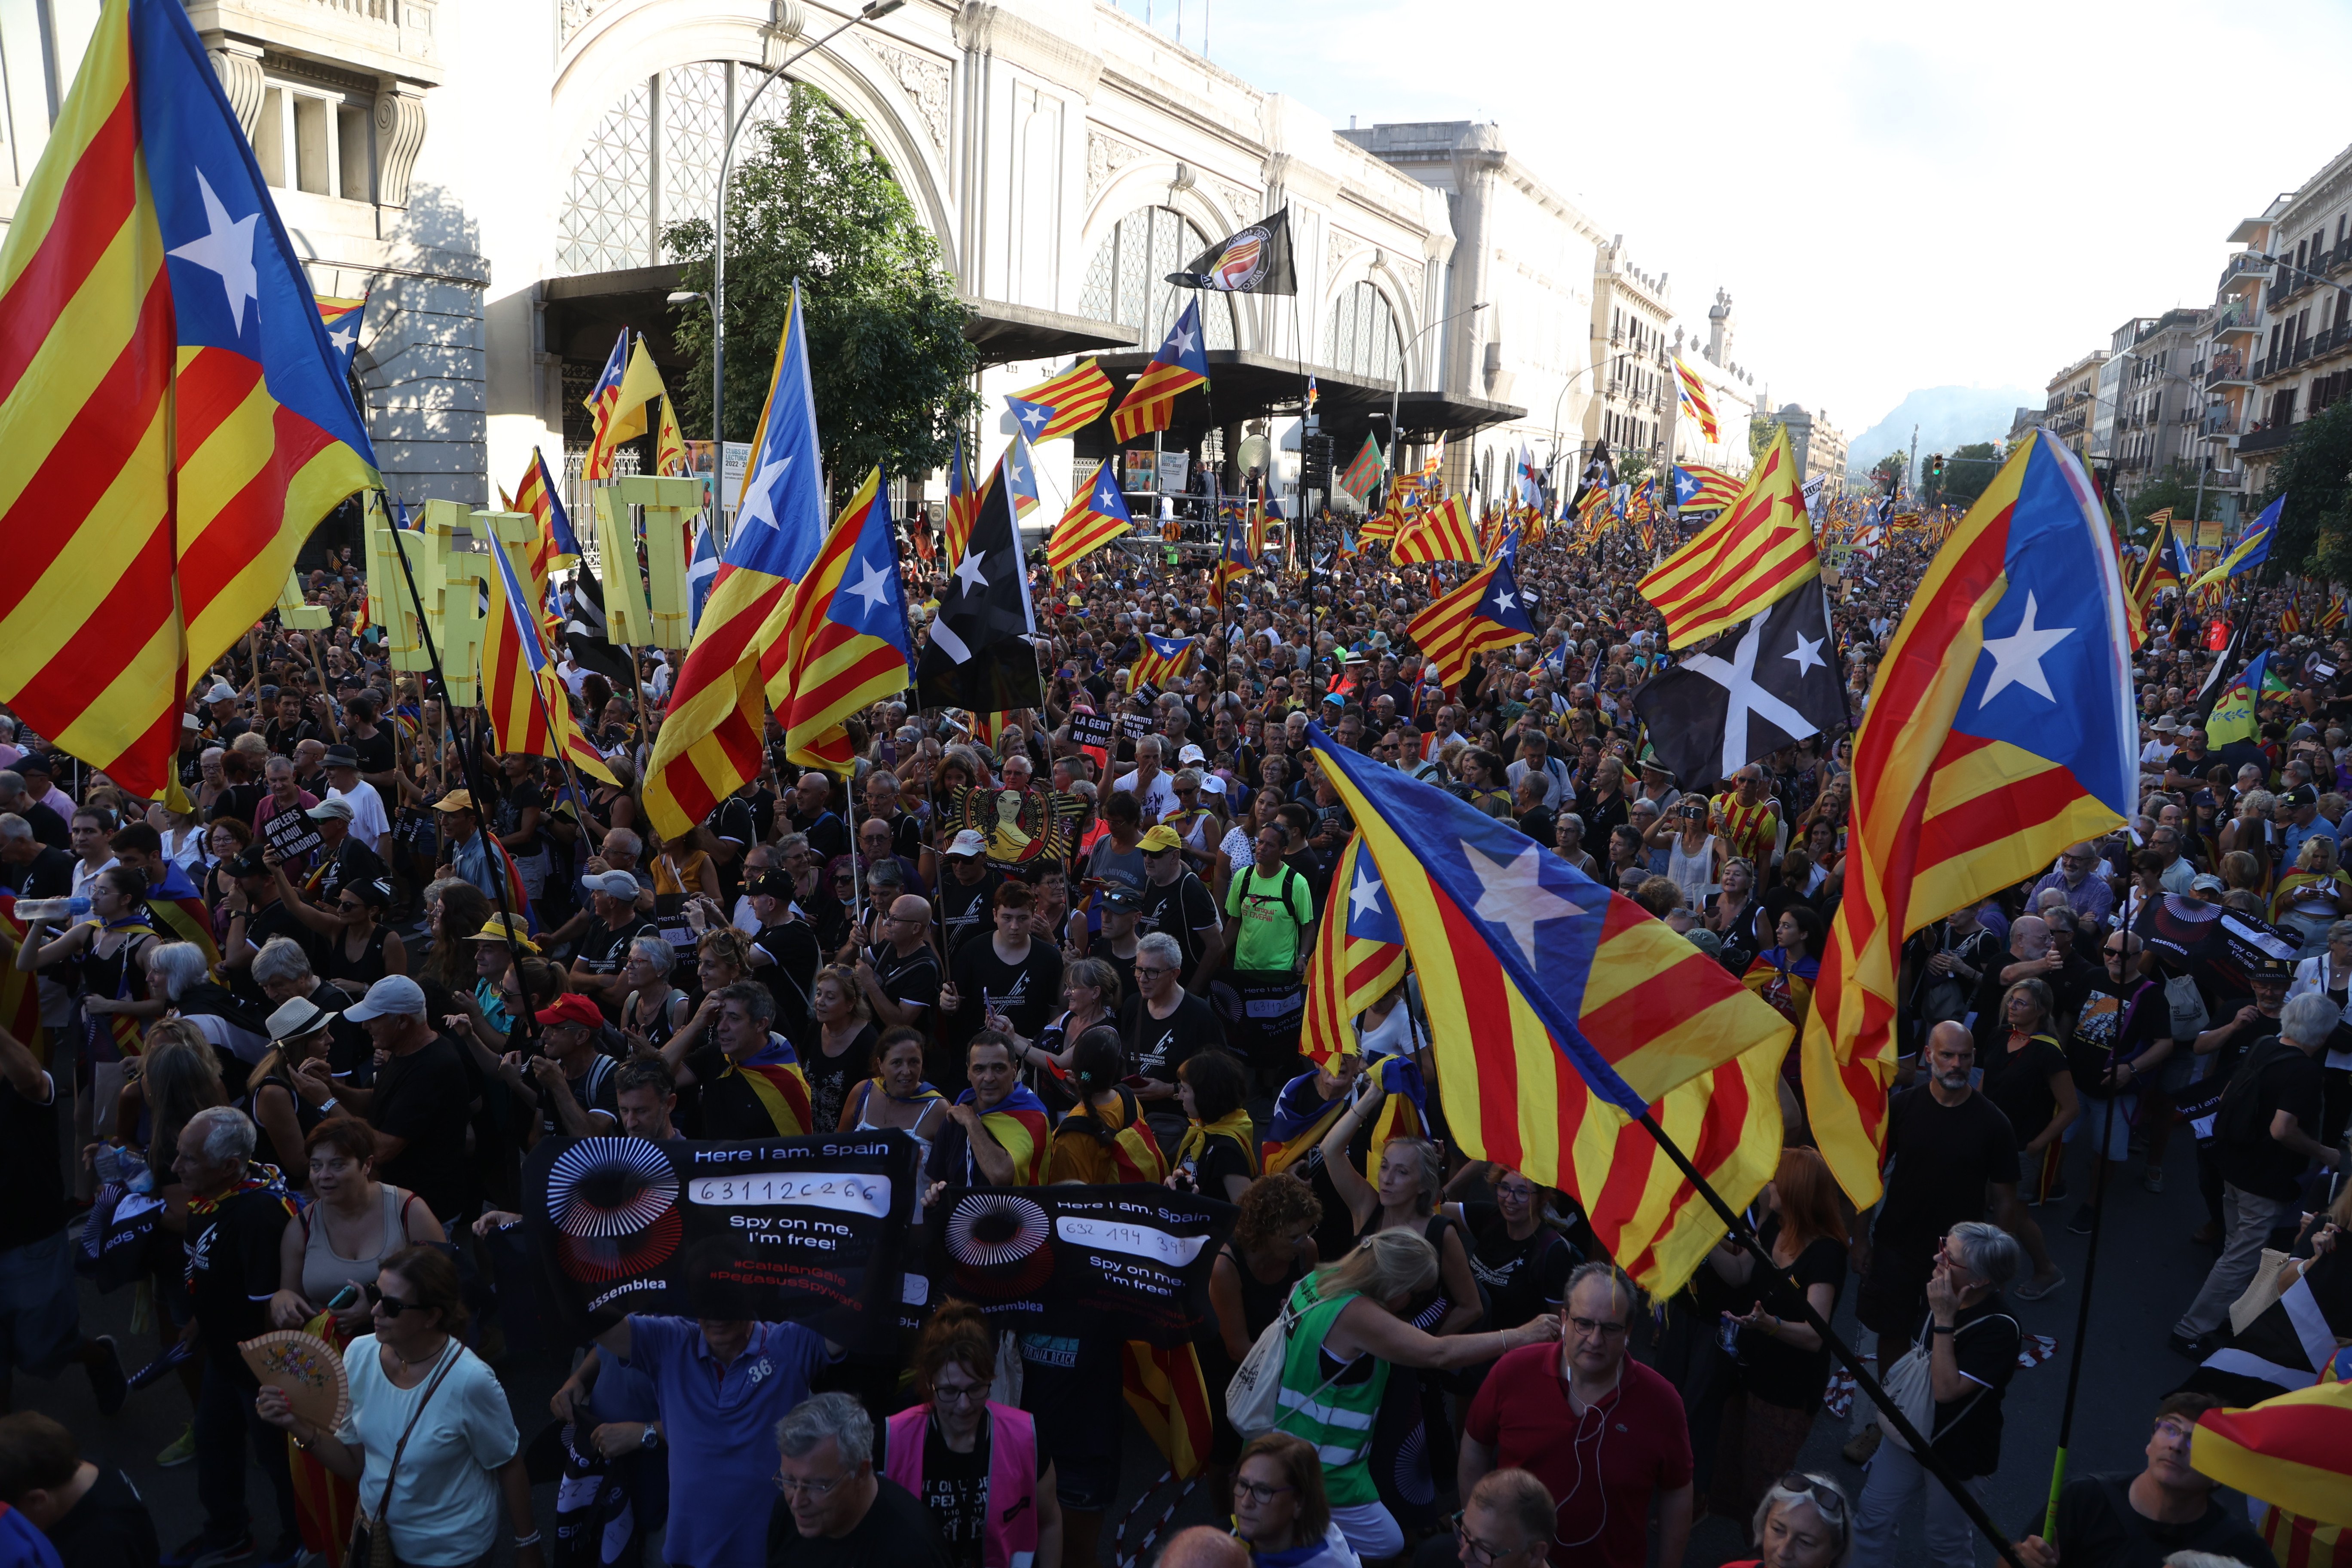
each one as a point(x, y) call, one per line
point(1126, 1262)
point(1090, 729)
point(809, 1230)
point(2217, 946)
point(292, 834)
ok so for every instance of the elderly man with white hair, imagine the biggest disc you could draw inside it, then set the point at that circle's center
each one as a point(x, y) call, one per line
point(237, 1213)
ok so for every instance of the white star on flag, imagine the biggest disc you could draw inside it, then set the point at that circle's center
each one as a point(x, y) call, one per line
point(1033, 416)
point(1513, 897)
point(1504, 600)
point(1807, 653)
point(2016, 657)
point(762, 506)
point(228, 250)
point(1180, 340)
point(874, 588)
point(968, 572)
point(1364, 898)
point(1108, 499)
point(342, 338)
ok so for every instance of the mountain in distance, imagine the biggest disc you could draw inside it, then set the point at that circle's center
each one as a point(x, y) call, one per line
point(1947, 416)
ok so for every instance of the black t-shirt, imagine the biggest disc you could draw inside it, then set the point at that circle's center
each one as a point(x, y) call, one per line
point(354, 864)
point(1943, 1156)
point(827, 836)
point(1156, 1048)
point(955, 1489)
point(1028, 992)
point(911, 982)
point(790, 974)
point(1183, 908)
point(730, 822)
point(29, 1171)
point(514, 799)
point(1522, 1278)
point(240, 801)
point(1771, 1369)
point(232, 1252)
point(830, 1078)
point(2112, 1028)
point(53, 830)
point(964, 909)
point(2018, 1082)
point(1985, 1342)
point(109, 1528)
point(262, 926)
point(1218, 1158)
point(423, 1097)
point(47, 875)
point(604, 949)
point(2282, 1078)
point(377, 752)
point(2098, 1528)
point(896, 1530)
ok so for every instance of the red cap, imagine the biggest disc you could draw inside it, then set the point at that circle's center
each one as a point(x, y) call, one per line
point(571, 1009)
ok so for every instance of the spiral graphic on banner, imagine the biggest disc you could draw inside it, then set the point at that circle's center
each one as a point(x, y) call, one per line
point(613, 1203)
point(1001, 1245)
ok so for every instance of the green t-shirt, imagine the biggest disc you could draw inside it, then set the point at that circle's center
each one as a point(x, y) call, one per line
point(1274, 911)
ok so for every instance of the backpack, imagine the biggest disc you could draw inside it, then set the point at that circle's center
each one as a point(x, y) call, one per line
point(2240, 1118)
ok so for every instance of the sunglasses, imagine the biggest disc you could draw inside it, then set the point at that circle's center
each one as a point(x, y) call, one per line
point(390, 1306)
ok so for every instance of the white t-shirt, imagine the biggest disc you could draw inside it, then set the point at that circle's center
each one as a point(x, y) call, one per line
point(444, 1501)
point(1159, 795)
point(369, 822)
point(243, 1044)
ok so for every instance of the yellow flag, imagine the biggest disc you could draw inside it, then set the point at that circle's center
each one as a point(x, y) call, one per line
point(669, 446)
point(641, 384)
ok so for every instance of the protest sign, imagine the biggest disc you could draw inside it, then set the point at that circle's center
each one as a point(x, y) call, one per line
point(1114, 1262)
point(806, 1230)
point(292, 834)
point(1090, 729)
point(1135, 726)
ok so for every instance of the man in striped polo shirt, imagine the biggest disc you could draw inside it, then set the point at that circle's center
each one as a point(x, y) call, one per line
point(1745, 817)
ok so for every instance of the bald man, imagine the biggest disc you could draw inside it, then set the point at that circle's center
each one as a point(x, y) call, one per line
point(901, 974)
point(1204, 1546)
point(810, 811)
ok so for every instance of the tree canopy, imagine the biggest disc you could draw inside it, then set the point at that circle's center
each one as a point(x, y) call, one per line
point(814, 202)
point(2315, 536)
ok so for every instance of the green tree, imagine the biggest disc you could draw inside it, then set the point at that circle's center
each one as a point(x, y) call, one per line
point(1968, 473)
point(2177, 488)
point(1760, 433)
point(1891, 469)
point(2314, 537)
point(1633, 468)
point(814, 202)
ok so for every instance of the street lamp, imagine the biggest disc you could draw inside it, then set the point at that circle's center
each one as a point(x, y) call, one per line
point(872, 11)
point(1396, 392)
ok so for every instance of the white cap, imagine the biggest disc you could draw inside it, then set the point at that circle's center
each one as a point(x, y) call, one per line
point(1192, 753)
point(968, 842)
point(612, 885)
point(392, 996)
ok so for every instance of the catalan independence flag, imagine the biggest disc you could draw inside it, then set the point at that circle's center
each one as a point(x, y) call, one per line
point(1357, 959)
point(177, 911)
point(1178, 365)
point(173, 419)
point(775, 1077)
point(1999, 732)
point(1759, 550)
point(849, 641)
point(1165, 1389)
point(343, 319)
point(1099, 516)
point(1235, 562)
point(1439, 533)
point(2250, 551)
point(2290, 1451)
point(1695, 398)
point(604, 406)
point(1704, 488)
point(963, 504)
point(1560, 1010)
point(711, 739)
point(531, 712)
point(1063, 405)
point(1162, 660)
point(1024, 1129)
point(1483, 614)
point(541, 495)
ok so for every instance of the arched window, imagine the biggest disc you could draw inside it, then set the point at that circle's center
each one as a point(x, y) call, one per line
point(1362, 338)
point(1127, 282)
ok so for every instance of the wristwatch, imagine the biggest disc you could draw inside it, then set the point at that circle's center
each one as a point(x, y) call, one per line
point(650, 1439)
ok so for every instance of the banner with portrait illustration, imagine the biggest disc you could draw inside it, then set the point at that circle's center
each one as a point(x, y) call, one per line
point(808, 1230)
point(1128, 1262)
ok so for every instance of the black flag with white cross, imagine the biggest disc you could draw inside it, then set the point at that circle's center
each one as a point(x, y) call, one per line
point(1777, 681)
point(978, 655)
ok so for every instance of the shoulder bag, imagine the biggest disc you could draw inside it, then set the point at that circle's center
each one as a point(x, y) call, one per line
point(370, 1545)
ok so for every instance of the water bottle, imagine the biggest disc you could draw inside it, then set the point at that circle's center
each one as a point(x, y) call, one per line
point(52, 911)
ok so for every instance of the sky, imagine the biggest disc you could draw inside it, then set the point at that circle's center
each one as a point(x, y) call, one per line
point(1897, 196)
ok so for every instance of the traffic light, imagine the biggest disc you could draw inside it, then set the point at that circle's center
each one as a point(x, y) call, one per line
point(1935, 465)
point(1315, 463)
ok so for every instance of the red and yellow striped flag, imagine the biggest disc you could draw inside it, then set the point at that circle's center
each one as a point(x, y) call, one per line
point(1358, 957)
point(963, 505)
point(1759, 550)
point(1062, 405)
point(849, 641)
point(1694, 394)
point(1099, 516)
point(174, 421)
point(1178, 365)
point(2294, 1452)
point(531, 712)
point(1483, 614)
point(541, 495)
point(1441, 532)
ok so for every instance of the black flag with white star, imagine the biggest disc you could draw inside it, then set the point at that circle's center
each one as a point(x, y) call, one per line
point(979, 654)
point(1778, 682)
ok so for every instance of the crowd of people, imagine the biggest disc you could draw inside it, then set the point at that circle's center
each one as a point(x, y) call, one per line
point(321, 1016)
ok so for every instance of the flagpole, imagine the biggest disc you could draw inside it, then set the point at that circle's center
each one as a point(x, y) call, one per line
point(2082, 1313)
point(1921, 1449)
point(497, 869)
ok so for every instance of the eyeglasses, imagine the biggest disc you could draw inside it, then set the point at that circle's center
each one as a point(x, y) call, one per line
point(390, 1306)
point(1482, 1552)
point(1143, 973)
point(796, 1486)
point(1596, 1326)
point(1258, 1492)
point(970, 1394)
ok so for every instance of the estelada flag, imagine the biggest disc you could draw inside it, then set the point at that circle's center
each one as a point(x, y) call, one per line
point(1099, 516)
point(1558, 1011)
point(1062, 405)
point(1178, 365)
point(174, 420)
point(343, 319)
point(1159, 660)
point(2293, 1451)
point(1254, 260)
point(530, 711)
point(963, 504)
point(850, 646)
point(541, 495)
point(1760, 549)
point(1999, 731)
point(1358, 957)
point(1485, 613)
point(603, 404)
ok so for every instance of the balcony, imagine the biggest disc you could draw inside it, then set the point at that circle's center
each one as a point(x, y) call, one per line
point(2234, 319)
point(2227, 368)
point(2266, 438)
point(2243, 272)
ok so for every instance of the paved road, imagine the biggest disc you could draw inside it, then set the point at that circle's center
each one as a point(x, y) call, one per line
point(2148, 1272)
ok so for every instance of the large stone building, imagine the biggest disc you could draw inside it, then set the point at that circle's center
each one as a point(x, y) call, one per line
point(2072, 392)
point(1632, 310)
point(2161, 403)
point(2300, 340)
point(1819, 446)
point(1731, 392)
point(496, 178)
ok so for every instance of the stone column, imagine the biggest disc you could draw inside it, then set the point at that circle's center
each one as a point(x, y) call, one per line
point(238, 63)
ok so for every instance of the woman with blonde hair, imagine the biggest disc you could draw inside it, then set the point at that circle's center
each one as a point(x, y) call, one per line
point(2316, 894)
point(1012, 1515)
point(1349, 1336)
point(1782, 1362)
